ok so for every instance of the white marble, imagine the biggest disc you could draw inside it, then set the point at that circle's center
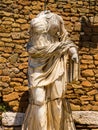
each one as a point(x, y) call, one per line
point(80, 117)
point(12, 119)
point(49, 49)
point(86, 117)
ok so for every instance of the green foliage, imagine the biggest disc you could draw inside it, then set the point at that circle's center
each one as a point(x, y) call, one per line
point(2, 108)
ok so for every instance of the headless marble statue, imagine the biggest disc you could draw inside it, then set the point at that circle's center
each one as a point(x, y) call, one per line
point(49, 48)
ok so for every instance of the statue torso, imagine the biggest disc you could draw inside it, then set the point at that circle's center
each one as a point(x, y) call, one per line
point(44, 29)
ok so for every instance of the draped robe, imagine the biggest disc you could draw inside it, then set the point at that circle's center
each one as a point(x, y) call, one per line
point(49, 72)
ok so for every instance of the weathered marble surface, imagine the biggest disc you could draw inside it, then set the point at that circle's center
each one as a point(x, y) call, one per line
point(86, 117)
point(49, 49)
point(81, 117)
point(12, 119)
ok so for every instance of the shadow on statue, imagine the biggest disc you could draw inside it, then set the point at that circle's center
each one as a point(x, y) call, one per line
point(24, 102)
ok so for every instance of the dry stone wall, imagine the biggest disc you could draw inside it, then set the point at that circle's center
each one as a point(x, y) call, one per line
point(81, 21)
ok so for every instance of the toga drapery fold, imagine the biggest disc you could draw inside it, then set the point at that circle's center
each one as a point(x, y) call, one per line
point(52, 60)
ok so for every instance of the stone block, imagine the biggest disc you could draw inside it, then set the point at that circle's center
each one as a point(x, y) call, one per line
point(15, 29)
point(1, 49)
point(8, 49)
point(96, 19)
point(16, 25)
point(92, 79)
point(22, 75)
point(14, 103)
point(95, 108)
point(5, 34)
point(3, 84)
point(6, 55)
point(24, 54)
point(86, 83)
point(86, 117)
point(6, 72)
point(7, 91)
point(8, 19)
point(25, 82)
point(86, 107)
point(15, 70)
point(25, 26)
point(96, 56)
point(15, 35)
point(83, 66)
point(88, 72)
point(21, 21)
point(79, 91)
point(23, 59)
point(0, 72)
point(96, 75)
point(92, 66)
point(17, 79)
point(18, 41)
point(25, 3)
point(92, 92)
point(86, 98)
point(6, 39)
point(87, 57)
point(87, 61)
point(20, 88)
point(18, 47)
point(96, 97)
point(75, 37)
point(7, 23)
point(13, 58)
point(23, 65)
point(8, 14)
point(13, 84)
point(74, 10)
point(74, 19)
point(31, 16)
point(1, 43)
point(6, 78)
point(96, 84)
point(80, 2)
point(77, 26)
point(2, 60)
point(16, 108)
point(12, 119)
point(10, 97)
point(96, 62)
point(9, 45)
point(82, 118)
point(75, 107)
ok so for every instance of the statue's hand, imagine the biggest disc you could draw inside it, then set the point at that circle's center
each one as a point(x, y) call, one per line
point(31, 50)
point(75, 58)
point(74, 54)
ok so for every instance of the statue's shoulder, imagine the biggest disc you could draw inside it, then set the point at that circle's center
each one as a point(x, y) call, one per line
point(46, 13)
point(56, 16)
point(50, 15)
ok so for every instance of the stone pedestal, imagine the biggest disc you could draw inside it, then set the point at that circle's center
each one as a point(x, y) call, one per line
point(84, 120)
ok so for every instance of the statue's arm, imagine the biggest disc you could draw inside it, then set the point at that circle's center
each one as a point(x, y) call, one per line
point(73, 51)
point(63, 31)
